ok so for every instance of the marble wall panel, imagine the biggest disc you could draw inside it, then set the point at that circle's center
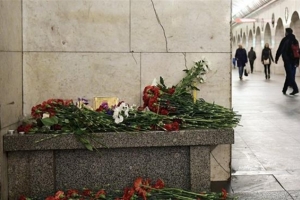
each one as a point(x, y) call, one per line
point(11, 87)
point(10, 23)
point(180, 26)
point(217, 86)
point(170, 66)
point(77, 25)
point(74, 75)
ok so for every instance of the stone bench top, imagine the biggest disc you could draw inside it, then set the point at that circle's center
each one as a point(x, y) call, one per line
point(198, 137)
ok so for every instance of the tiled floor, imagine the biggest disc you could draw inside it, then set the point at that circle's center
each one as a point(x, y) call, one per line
point(266, 153)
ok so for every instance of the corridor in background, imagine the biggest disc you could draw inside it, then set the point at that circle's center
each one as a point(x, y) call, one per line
point(265, 156)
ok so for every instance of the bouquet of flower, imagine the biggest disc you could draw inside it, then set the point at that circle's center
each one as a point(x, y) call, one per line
point(142, 189)
point(165, 108)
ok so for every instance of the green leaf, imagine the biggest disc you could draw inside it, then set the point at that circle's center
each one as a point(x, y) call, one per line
point(89, 147)
point(194, 88)
point(162, 82)
point(50, 121)
point(84, 140)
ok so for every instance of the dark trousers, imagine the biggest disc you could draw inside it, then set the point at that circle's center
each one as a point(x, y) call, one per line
point(290, 71)
point(267, 70)
point(251, 65)
point(241, 71)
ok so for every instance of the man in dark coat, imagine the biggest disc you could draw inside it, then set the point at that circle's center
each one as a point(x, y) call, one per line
point(241, 58)
point(290, 63)
point(251, 58)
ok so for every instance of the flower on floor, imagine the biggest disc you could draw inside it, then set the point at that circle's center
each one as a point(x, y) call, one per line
point(142, 189)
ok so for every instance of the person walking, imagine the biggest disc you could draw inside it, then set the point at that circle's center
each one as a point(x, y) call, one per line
point(241, 58)
point(290, 62)
point(266, 58)
point(251, 58)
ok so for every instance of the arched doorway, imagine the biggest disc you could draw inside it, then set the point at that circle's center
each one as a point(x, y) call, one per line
point(244, 40)
point(250, 40)
point(295, 24)
point(268, 36)
point(268, 39)
point(279, 34)
point(258, 49)
point(239, 40)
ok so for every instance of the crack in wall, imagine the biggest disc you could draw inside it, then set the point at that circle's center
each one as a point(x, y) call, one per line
point(158, 20)
point(219, 163)
point(133, 58)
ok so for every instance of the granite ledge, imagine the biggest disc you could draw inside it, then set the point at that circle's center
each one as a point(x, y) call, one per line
point(200, 137)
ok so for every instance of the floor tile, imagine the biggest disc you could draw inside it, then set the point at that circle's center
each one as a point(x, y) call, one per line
point(255, 183)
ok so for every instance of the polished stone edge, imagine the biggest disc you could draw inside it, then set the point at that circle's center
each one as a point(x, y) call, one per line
point(120, 140)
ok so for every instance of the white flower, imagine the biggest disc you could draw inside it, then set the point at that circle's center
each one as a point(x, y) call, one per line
point(45, 115)
point(123, 109)
point(119, 119)
point(203, 59)
point(154, 82)
point(126, 110)
point(133, 107)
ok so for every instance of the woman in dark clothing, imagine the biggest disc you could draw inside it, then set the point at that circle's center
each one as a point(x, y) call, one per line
point(241, 58)
point(266, 58)
point(251, 58)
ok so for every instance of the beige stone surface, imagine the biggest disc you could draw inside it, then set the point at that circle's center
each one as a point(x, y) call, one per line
point(11, 87)
point(180, 26)
point(167, 65)
point(77, 25)
point(10, 23)
point(217, 85)
point(77, 75)
point(220, 159)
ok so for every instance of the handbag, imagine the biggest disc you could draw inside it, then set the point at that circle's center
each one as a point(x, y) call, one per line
point(245, 72)
point(266, 62)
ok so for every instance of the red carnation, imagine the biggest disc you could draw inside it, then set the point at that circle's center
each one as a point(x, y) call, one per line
point(168, 127)
point(159, 184)
point(86, 192)
point(24, 128)
point(164, 111)
point(128, 193)
point(171, 90)
point(101, 193)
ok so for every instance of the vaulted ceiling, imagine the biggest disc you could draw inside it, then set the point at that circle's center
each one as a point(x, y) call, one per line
point(242, 8)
